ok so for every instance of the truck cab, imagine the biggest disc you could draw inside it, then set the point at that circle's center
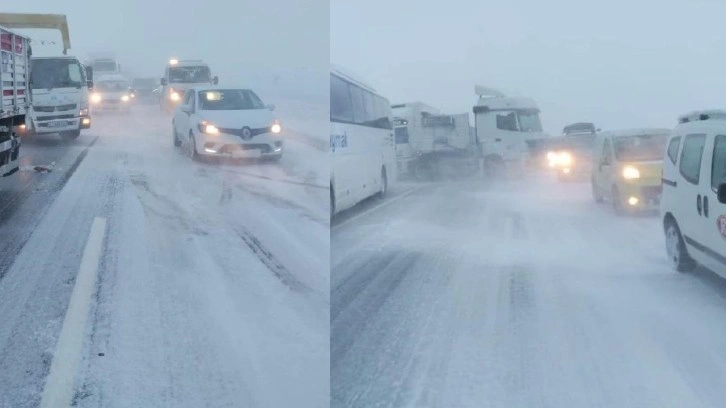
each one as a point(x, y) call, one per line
point(60, 89)
point(179, 76)
point(431, 144)
point(503, 126)
point(59, 82)
point(106, 65)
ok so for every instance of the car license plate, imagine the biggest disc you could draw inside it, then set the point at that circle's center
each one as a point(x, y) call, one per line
point(250, 154)
point(57, 123)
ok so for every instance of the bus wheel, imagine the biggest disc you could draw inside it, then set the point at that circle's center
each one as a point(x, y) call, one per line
point(384, 183)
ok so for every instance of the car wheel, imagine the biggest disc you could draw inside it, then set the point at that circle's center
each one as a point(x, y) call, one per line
point(177, 142)
point(676, 248)
point(192, 147)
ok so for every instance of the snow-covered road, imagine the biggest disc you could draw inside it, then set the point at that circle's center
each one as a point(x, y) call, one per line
point(466, 295)
point(213, 284)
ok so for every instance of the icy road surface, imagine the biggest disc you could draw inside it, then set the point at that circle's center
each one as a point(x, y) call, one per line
point(213, 284)
point(470, 296)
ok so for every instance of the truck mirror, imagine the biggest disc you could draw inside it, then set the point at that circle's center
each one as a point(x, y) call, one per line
point(722, 193)
point(163, 81)
point(89, 73)
point(90, 84)
point(215, 80)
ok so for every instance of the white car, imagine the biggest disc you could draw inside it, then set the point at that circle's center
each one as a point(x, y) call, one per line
point(693, 205)
point(226, 122)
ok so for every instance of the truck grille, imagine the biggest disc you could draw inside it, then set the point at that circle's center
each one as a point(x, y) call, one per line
point(60, 108)
point(55, 117)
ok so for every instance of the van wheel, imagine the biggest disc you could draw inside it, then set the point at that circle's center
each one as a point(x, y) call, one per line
point(595, 194)
point(384, 183)
point(616, 200)
point(676, 248)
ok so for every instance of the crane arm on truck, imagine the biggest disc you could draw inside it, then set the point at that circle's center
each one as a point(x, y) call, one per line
point(39, 21)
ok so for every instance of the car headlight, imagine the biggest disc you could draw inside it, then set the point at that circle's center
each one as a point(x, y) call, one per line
point(630, 173)
point(174, 96)
point(564, 159)
point(125, 98)
point(208, 128)
point(96, 98)
point(276, 128)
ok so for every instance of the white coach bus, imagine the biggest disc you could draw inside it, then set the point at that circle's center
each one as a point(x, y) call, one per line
point(362, 145)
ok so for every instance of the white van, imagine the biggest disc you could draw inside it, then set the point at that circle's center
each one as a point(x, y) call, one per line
point(693, 205)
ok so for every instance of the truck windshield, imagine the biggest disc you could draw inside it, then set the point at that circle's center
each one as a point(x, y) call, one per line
point(640, 147)
point(104, 66)
point(49, 73)
point(146, 83)
point(529, 121)
point(189, 75)
point(229, 99)
point(112, 86)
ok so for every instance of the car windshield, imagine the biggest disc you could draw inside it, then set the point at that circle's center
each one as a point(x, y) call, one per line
point(112, 86)
point(189, 75)
point(229, 99)
point(56, 73)
point(644, 147)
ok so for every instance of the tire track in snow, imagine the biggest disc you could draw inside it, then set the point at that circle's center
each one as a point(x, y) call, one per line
point(270, 261)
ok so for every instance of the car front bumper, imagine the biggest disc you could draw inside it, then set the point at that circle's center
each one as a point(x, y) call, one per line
point(641, 197)
point(226, 145)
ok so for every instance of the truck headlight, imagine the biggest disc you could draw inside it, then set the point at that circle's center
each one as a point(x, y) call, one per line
point(174, 96)
point(631, 173)
point(125, 98)
point(276, 128)
point(83, 112)
point(96, 97)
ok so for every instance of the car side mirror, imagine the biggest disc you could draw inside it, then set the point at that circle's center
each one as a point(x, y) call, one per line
point(271, 107)
point(722, 193)
point(163, 81)
point(215, 80)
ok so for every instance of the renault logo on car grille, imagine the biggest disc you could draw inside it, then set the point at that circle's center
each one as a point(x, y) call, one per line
point(246, 133)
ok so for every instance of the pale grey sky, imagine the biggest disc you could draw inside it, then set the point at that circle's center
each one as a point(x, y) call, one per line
point(617, 63)
point(245, 42)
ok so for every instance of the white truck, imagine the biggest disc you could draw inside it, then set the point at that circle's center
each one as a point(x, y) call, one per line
point(103, 63)
point(431, 145)
point(16, 95)
point(503, 127)
point(60, 84)
point(180, 76)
